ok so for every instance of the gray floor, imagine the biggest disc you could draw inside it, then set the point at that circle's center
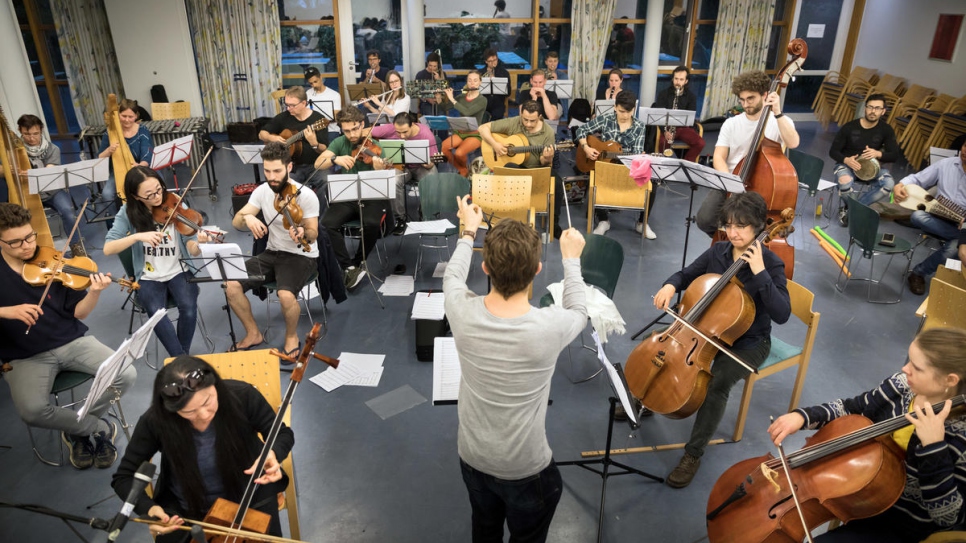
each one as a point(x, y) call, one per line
point(362, 478)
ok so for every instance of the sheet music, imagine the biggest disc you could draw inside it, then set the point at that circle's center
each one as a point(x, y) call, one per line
point(666, 117)
point(615, 380)
point(685, 171)
point(463, 124)
point(249, 154)
point(172, 152)
point(333, 378)
point(439, 226)
point(499, 86)
point(603, 106)
point(564, 88)
point(955, 265)
point(446, 371)
point(355, 369)
point(40, 180)
point(398, 285)
point(429, 306)
point(232, 259)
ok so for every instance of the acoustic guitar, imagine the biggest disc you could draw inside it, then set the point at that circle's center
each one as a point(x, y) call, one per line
point(919, 199)
point(294, 140)
point(517, 150)
point(608, 150)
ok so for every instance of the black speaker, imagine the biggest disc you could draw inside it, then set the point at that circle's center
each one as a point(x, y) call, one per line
point(426, 333)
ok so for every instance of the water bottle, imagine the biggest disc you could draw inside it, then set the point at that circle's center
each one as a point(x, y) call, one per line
point(818, 208)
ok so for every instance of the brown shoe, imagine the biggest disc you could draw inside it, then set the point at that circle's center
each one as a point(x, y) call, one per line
point(917, 284)
point(681, 476)
point(77, 249)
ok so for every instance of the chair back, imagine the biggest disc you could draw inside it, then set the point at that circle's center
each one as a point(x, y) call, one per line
point(809, 168)
point(616, 188)
point(127, 261)
point(863, 226)
point(438, 193)
point(540, 185)
point(277, 97)
point(503, 196)
point(162, 111)
point(601, 263)
point(801, 301)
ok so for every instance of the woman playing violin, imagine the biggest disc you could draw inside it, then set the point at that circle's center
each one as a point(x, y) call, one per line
point(743, 218)
point(206, 430)
point(156, 256)
point(935, 443)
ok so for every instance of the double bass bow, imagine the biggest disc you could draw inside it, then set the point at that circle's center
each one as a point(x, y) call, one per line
point(240, 515)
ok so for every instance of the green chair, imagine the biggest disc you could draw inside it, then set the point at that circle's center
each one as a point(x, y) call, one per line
point(809, 169)
point(64, 382)
point(600, 264)
point(864, 233)
point(437, 197)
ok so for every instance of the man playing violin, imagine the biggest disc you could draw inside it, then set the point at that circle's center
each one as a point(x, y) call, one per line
point(735, 139)
point(284, 261)
point(347, 153)
point(743, 219)
point(56, 342)
point(864, 139)
point(298, 117)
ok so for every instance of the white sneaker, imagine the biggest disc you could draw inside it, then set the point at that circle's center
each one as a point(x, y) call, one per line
point(639, 227)
point(602, 228)
point(648, 233)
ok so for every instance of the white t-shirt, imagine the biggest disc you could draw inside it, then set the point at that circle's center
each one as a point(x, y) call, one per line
point(328, 95)
point(736, 134)
point(400, 106)
point(162, 263)
point(278, 239)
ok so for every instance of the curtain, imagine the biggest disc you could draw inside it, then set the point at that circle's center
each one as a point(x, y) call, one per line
point(591, 21)
point(232, 37)
point(740, 45)
point(89, 58)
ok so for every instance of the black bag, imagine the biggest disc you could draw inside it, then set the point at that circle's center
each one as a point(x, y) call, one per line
point(242, 132)
point(158, 94)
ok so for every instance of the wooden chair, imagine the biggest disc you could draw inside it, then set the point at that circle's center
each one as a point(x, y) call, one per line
point(162, 111)
point(916, 96)
point(784, 356)
point(945, 129)
point(845, 109)
point(503, 197)
point(611, 186)
point(920, 125)
point(277, 99)
point(903, 112)
point(260, 369)
point(542, 193)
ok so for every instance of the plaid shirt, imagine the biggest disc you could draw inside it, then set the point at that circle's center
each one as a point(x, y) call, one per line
point(631, 140)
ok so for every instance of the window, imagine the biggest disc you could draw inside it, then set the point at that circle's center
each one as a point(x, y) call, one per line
point(309, 38)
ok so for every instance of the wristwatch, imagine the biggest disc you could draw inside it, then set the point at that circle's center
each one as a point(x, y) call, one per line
point(779, 116)
point(470, 233)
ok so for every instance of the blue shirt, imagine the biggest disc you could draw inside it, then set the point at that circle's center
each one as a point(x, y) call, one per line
point(141, 145)
point(948, 174)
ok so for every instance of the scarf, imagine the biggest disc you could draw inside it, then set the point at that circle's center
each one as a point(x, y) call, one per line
point(37, 153)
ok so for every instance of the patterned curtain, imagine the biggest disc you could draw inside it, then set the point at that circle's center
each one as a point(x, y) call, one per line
point(232, 37)
point(740, 45)
point(592, 21)
point(89, 58)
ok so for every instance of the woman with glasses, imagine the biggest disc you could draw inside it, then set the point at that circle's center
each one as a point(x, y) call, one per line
point(206, 430)
point(743, 219)
point(397, 102)
point(156, 257)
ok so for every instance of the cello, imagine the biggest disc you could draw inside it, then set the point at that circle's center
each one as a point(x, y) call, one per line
point(669, 371)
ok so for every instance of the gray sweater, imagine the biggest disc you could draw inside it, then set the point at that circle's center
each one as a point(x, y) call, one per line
point(507, 365)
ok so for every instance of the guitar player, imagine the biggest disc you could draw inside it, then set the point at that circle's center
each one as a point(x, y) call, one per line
point(529, 124)
point(299, 117)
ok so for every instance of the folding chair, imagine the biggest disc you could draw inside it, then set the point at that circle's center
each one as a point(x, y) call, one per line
point(437, 195)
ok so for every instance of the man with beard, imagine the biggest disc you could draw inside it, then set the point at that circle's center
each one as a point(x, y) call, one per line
point(735, 139)
point(283, 261)
point(343, 153)
point(299, 117)
point(679, 96)
point(864, 139)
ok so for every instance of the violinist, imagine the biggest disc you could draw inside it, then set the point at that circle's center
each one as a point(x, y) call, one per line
point(56, 343)
point(347, 152)
point(284, 261)
point(206, 429)
point(156, 257)
point(743, 219)
point(458, 146)
point(298, 117)
point(935, 442)
point(735, 139)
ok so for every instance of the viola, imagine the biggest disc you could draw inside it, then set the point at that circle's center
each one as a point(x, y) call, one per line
point(366, 151)
point(48, 264)
point(286, 205)
point(669, 372)
point(186, 221)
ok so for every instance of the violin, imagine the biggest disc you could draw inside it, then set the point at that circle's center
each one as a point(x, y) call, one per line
point(669, 372)
point(186, 221)
point(286, 205)
point(48, 264)
point(366, 151)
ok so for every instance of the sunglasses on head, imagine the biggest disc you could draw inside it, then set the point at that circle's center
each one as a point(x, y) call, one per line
point(189, 383)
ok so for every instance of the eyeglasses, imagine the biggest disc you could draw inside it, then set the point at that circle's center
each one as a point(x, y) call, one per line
point(875, 108)
point(152, 195)
point(732, 226)
point(292, 106)
point(189, 383)
point(18, 243)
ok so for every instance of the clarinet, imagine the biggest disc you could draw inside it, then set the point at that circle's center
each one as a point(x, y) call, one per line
point(670, 130)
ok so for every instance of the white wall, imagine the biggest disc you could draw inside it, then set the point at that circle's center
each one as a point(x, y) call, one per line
point(153, 47)
point(896, 36)
point(18, 92)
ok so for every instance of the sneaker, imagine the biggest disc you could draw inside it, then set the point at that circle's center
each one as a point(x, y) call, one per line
point(602, 228)
point(917, 284)
point(648, 233)
point(77, 249)
point(682, 475)
point(81, 450)
point(353, 276)
point(843, 216)
point(105, 453)
point(639, 227)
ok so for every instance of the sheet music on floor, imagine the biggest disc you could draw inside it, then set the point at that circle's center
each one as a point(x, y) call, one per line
point(446, 371)
point(440, 270)
point(429, 227)
point(398, 285)
point(429, 306)
point(355, 369)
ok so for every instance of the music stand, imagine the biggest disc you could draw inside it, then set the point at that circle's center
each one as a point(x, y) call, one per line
point(85, 172)
point(695, 175)
point(495, 86)
point(564, 88)
point(361, 91)
point(223, 262)
point(326, 108)
point(437, 123)
point(665, 117)
point(359, 187)
point(170, 153)
point(250, 154)
point(602, 107)
point(619, 387)
point(379, 118)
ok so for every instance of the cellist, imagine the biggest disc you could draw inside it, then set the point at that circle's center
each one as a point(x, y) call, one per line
point(935, 443)
point(743, 219)
point(735, 139)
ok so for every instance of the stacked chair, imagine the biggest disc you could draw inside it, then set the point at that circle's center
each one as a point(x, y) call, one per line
point(950, 125)
point(921, 125)
point(901, 111)
point(845, 109)
point(834, 87)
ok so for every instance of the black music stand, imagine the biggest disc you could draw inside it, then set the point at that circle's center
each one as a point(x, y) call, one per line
point(695, 175)
point(224, 262)
point(619, 386)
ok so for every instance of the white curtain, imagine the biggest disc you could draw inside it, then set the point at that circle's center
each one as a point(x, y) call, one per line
point(592, 21)
point(740, 45)
point(89, 57)
point(232, 37)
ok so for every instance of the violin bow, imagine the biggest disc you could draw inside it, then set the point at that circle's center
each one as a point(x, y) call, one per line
point(60, 263)
point(187, 188)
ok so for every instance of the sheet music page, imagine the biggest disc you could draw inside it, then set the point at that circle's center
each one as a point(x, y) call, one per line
point(96, 170)
point(46, 179)
point(446, 371)
point(440, 270)
point(333, 378)
point(369, 366)
point(439, 226)
point(106, 373)
point(249, 154)
point(398, 285)
point(615, 380)
point(954, 265)
point(232, 259)
point(429, 306)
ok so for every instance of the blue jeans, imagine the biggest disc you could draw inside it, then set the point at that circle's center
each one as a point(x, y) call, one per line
point(879, 188)
point(153, 296)
point(62, 202)
point(527, 505)
point(942, 229)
